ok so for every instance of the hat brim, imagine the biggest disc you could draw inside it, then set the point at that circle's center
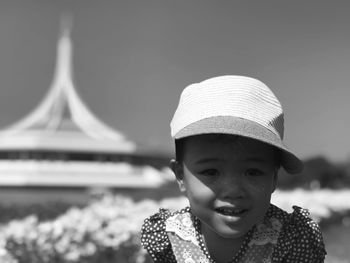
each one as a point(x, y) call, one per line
point(243, 127)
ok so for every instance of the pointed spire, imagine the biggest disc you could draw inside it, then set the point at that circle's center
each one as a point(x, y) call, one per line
point(62, 105)
point(64, 51)
point(63, 75)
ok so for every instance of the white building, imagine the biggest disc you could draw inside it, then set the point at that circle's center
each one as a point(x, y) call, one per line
point(62, 143)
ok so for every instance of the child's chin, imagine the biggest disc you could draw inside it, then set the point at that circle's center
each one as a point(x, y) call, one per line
point(230, 233)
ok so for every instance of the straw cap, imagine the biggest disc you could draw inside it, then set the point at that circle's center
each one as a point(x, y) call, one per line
point(234, 105)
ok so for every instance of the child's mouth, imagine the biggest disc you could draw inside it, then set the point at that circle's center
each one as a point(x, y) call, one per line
point(230, 211)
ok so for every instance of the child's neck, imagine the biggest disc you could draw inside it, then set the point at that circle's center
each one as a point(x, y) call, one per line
point(221, 249)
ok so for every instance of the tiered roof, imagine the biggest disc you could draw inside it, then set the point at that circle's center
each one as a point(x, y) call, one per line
point(63, 125)
point(62, 121)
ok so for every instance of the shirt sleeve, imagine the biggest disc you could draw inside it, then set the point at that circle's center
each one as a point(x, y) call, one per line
point(307, 243)
point(154, 238)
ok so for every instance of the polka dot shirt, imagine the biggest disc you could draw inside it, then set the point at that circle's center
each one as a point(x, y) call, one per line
point(281, 237)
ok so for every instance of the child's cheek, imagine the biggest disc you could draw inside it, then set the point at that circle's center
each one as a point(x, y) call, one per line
point(259, 186)
point(199, 189)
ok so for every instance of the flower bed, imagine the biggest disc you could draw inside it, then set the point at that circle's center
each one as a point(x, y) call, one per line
point(107, 230)
point(325, 205)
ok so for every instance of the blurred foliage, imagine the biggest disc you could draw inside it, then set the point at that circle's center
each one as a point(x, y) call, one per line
point(42, 211)
point(318, 173)
point(108, 228)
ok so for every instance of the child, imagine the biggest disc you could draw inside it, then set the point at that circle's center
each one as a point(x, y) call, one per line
point(228, 135)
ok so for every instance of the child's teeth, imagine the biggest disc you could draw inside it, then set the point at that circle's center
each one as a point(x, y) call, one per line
point(230, 211)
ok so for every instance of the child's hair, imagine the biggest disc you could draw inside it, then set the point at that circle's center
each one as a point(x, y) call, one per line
point(234, 105)
point(179, 149)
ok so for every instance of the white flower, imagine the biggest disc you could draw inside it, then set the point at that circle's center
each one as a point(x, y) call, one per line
point(189, 260)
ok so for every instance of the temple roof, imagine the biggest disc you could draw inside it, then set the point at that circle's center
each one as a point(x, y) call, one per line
point(62, 121)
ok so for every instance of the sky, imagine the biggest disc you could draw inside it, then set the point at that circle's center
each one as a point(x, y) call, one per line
point(133, 58)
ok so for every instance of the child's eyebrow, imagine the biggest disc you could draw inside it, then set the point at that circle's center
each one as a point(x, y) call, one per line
point(248, 159)
point(207, 160)
point(256, 159)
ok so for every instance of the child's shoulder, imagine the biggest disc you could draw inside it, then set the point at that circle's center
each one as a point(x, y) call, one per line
point(157, 220)
point(154, 237)
point(298, 219)
point(300, 233)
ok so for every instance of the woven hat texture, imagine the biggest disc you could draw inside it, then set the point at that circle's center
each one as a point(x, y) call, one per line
point(234, 105)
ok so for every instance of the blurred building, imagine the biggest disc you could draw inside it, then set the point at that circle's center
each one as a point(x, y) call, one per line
point(62, 143)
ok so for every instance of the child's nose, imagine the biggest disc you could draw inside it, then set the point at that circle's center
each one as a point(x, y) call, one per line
point(232, 187)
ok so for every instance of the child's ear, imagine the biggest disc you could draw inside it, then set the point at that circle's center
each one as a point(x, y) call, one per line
point(177, 168)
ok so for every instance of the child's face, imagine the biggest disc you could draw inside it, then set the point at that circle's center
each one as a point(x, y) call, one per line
point(228, 181)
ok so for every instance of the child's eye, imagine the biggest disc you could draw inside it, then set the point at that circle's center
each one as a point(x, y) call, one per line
point(254, 172)
point(210, 172)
